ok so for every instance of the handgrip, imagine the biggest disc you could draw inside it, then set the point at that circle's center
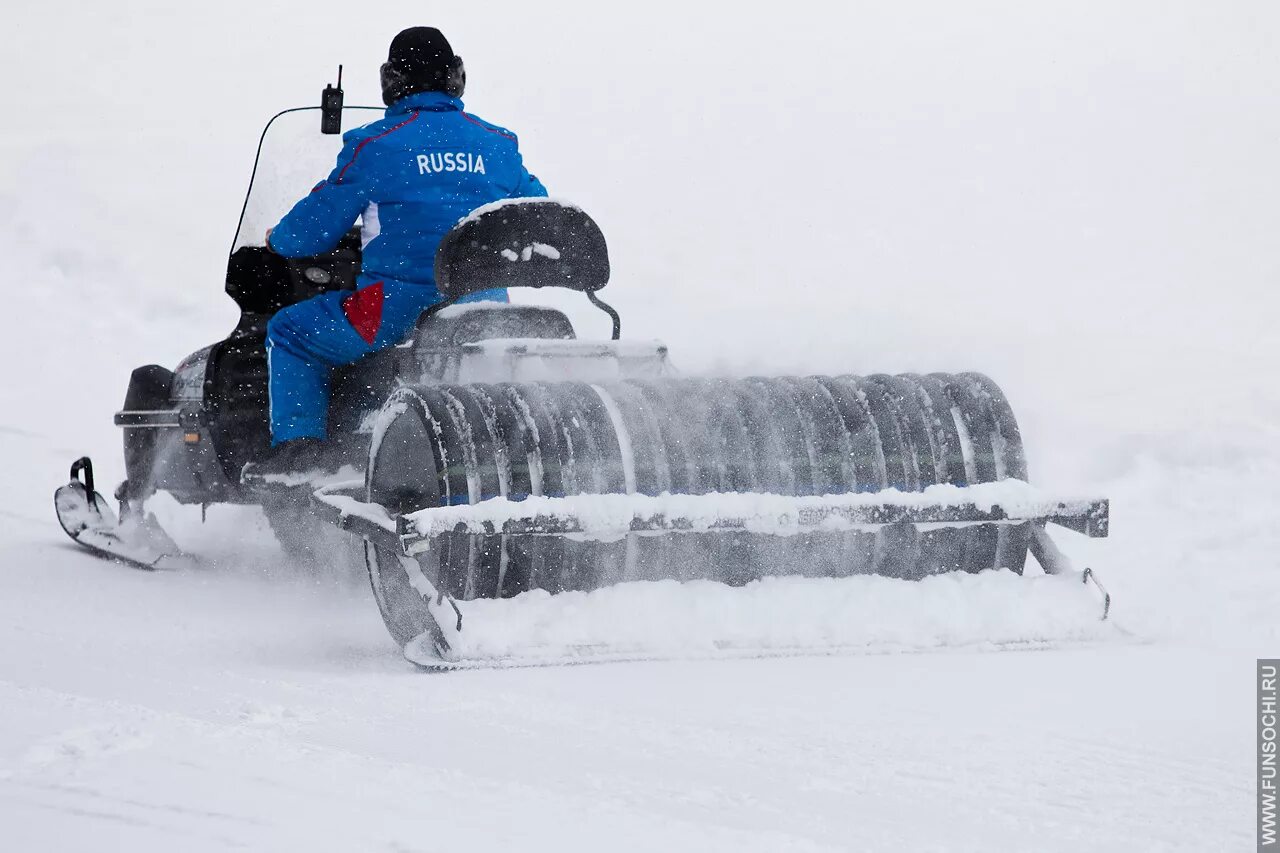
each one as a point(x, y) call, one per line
point(86, 465)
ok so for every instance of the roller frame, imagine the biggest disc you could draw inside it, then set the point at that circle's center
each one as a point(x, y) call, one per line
point(412, 534)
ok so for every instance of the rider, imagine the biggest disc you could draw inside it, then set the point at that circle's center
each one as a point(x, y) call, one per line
point(409, 177)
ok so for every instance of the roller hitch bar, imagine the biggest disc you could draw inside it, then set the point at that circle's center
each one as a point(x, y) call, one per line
point(1089, 518)
point(612, 515)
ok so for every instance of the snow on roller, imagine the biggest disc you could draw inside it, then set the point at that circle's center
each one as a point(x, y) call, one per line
point(521, 496)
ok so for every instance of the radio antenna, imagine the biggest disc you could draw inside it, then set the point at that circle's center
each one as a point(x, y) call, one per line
point(331, 107)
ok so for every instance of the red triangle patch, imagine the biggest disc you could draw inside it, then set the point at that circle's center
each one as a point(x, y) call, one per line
point(364, 311)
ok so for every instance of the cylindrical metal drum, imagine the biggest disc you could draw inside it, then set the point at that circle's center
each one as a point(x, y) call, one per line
point(456, 444)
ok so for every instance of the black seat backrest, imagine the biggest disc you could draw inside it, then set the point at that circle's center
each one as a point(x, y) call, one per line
point(524, 242)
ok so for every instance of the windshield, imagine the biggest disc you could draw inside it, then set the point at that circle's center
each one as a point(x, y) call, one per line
point(293, 156)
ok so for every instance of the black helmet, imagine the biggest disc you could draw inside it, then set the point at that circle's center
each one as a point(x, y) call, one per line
point(421, 60)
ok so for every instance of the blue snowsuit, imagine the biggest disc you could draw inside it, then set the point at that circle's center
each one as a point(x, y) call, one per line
point(409, 177)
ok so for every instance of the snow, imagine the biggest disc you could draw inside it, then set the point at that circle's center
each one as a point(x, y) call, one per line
point(467, 307)
point(475, 215)
point(526, 254)
point(780, 617)
point(776, 515)
point(339, 496)
point(316, 477)
point(1078, 199)
point(633, 349)
point(546, 360)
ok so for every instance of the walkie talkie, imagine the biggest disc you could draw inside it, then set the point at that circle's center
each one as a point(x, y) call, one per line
point(331, 107)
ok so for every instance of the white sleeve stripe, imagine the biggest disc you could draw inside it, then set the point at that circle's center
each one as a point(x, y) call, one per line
point(369, 225)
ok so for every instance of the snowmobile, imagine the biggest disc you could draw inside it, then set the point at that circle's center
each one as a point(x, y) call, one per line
point(494, 456)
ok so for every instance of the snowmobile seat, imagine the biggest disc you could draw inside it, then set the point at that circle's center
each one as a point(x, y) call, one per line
point(432, 351)
point(482, 321)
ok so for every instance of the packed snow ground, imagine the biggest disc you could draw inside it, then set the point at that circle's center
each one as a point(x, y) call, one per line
point(1079, 199)
point(776, 617)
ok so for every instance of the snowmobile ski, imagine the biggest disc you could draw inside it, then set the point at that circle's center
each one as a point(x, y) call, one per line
point(89, 520)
